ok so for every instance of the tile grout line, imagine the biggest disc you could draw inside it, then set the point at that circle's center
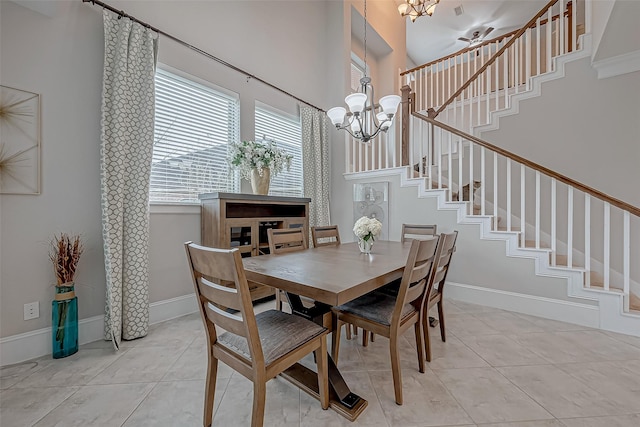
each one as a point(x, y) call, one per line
point(146, 396)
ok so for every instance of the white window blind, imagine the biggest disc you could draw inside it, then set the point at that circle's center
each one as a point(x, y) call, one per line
point(193, 126)
point(287, 134)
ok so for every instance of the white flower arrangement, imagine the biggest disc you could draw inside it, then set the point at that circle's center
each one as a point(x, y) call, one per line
point(249, 155)
point(367, 228)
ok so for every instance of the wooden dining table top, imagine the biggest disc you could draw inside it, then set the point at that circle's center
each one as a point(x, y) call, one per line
point(332, 275)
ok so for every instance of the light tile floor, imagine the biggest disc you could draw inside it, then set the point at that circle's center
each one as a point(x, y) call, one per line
point(497, 368)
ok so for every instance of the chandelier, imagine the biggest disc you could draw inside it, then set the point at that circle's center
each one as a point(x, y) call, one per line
point(417, 8)
point(365, 119)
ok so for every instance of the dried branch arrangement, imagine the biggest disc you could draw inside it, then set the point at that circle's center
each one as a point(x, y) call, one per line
point(64, 254)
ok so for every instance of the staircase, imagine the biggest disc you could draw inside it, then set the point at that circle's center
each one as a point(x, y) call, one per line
point(569, 230)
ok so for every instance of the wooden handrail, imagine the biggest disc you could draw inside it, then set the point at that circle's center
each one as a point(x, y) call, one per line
point(535, 166)
point(485, 43)
point(499, 53)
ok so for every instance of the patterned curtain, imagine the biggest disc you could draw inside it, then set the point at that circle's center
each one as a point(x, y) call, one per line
point(128, 102)
point(315, 164)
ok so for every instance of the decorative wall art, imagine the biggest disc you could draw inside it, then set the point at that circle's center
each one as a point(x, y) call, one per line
point(372, 200)
point(19, 141)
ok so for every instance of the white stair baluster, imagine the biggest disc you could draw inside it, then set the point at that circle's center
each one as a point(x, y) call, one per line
point(495, 190)
point(527, 59)
point(553, 222)
point(460, 150)
point(483, 181)
point(587, 239)
point(570, 227)
point(574, 23)
point(538, 53)
point(548, 40)
point(449, 164)
point(607, 244)
point(430, 149)
point(626, 266)
point(471, 150)
point(537, 210)
point(508, 194)
point(561, 31)
point(523, 212)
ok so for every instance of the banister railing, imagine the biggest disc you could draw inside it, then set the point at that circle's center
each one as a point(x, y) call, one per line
point(493, 58)
point(533, 165)
point(567, 13)
point(465, 88)
point(580, 226)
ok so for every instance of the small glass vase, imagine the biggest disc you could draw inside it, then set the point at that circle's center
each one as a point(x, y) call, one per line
point(64, 321)
point(365, 245)
point(260, 183)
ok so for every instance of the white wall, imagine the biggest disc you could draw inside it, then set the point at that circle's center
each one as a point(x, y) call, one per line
point(621, 35)
point(59, 54)
point(581, 127)
point(392, 32)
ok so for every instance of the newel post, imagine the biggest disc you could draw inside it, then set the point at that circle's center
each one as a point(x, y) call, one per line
point(407, 107)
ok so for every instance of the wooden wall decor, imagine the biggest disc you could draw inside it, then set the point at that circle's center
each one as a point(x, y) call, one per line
point(19, 141)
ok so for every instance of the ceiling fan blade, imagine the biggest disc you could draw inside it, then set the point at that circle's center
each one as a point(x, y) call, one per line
point(486, 32)
point(464, 39)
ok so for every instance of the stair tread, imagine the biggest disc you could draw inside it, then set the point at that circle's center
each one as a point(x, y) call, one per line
point(532, 244)
point(502, 228)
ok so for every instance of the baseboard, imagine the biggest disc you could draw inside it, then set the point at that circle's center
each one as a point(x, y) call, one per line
point(171, 308)
point(564, 311)
point(21, 347)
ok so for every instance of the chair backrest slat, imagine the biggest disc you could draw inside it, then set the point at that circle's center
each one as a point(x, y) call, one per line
point(282, 240)
point(223, 295)
point(227, 321)
point(444, 259)
point(417, 275)
point(409, 230)
point(329, 235)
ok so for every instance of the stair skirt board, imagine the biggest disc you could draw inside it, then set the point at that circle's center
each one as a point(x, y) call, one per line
point(563, 311)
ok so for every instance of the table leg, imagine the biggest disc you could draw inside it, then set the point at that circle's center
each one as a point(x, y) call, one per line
point(341, 398)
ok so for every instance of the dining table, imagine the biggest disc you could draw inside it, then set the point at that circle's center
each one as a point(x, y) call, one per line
point(328, 276)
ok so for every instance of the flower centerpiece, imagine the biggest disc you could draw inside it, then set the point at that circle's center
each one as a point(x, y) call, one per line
point(366, 230)
point(65, 254)
point(257, 161)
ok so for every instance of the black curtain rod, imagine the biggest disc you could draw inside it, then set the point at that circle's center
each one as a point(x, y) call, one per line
point(122, 14)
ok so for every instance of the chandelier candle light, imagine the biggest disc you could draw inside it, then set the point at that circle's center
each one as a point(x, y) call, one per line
point(417, 8)
point(365, 119)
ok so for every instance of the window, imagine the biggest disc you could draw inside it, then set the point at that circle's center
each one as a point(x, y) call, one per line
point(287, 134)
point(357, 72)
point(193, 126)
point(356, 75)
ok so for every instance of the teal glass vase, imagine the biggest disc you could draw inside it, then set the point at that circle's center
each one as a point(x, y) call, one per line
point(64, 322)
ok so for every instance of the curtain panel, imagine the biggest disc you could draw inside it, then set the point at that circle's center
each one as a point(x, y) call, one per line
point(315, 164)
point(128, 102)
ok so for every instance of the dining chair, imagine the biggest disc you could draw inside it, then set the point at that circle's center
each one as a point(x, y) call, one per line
point(326, 235)
point(391, 316)
point(329, 235)
point(258, 347)
point(435, 294)
point(409, 230)
point(283, 240)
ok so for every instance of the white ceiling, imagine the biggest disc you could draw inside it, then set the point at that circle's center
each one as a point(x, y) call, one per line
point(432, 37)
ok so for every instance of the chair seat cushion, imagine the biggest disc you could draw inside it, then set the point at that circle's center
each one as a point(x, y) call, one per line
point(280, 333)
point(375, 306)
